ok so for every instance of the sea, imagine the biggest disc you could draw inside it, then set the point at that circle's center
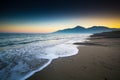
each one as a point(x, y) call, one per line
point(23, 54)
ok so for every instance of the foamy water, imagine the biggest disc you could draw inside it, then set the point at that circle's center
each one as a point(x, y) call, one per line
point(21, 55)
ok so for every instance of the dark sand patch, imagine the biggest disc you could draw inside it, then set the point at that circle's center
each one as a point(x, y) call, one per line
point(88, 44)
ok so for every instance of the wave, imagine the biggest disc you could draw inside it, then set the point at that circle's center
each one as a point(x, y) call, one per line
point(21, 61)
point(15, 43)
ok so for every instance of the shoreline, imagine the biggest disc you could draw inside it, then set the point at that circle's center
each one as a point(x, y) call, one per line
point(97, 59)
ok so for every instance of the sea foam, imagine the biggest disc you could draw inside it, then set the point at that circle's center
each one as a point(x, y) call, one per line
point(18, 62)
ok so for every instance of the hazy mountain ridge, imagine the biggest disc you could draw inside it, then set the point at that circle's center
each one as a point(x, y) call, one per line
point(80, 29)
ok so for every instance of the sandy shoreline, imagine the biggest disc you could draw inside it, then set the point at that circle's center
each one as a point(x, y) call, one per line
point(93, 62)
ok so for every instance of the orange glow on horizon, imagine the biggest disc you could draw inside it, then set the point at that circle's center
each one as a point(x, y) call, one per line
point(26, 29)
point(54, 26)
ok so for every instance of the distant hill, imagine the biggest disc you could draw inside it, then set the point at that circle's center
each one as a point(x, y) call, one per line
point(80, 29)
point(111, 34)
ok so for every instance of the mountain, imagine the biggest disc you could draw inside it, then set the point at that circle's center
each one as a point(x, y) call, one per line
point(98, 29)
point(80, 29)
point(71, 30)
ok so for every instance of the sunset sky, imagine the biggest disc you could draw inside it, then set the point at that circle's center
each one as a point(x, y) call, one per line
point(44, 16)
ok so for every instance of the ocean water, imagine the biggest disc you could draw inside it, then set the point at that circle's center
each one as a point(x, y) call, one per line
point(22, 54)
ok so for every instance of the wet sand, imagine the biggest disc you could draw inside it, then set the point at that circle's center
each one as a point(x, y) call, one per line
point(93, 62)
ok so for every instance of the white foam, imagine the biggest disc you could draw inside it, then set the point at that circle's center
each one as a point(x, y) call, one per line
point(33, 72)
point(62, 50)
point(56, 46)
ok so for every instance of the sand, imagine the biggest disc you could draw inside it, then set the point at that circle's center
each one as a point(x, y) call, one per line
point(93, 62)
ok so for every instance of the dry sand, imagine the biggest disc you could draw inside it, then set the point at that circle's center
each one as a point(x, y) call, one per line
point(93, 62)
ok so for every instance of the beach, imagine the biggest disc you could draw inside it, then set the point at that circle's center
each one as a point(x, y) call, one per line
point(97, 59)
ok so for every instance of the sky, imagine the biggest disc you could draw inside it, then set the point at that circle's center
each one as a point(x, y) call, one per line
point(44, 16)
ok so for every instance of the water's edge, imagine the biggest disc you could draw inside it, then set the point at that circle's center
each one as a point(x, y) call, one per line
point(20, 61)
point(37, 70)
point(49, 62)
